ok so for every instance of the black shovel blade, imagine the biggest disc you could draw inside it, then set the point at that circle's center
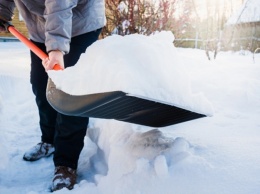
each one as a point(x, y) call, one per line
point(120, 106)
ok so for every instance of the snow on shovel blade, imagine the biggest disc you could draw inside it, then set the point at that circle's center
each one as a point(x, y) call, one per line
point(120, 106)
point(109, 105)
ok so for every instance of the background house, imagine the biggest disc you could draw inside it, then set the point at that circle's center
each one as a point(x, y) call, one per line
point(242, 30)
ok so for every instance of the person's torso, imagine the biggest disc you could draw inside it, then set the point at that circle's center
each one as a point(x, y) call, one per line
point(87, 15)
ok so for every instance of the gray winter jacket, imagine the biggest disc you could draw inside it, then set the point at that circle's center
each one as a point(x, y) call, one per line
point(54, 22)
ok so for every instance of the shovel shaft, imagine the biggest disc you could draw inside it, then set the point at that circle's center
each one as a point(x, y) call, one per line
point(42, 55)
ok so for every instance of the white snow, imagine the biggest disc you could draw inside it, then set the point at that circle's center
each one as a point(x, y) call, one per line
point(140, 65)
point(217, 154)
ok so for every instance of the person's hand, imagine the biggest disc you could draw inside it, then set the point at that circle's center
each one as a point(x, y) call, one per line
point(55, 57)
point(2, 26)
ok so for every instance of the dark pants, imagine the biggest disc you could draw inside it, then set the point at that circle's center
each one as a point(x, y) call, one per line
point(65, 132)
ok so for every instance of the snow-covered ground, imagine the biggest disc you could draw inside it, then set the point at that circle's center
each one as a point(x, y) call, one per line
point(217, 154)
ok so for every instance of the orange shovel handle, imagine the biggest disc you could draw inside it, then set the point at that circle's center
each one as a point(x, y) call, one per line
point(42, 55)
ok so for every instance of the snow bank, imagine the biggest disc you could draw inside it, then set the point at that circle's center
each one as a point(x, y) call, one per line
point(136, 64)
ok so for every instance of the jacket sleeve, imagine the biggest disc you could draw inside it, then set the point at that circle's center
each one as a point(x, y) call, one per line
point(58, 26)
point(6, 9)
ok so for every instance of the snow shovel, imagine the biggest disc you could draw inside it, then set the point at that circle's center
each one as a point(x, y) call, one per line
point(116, 105)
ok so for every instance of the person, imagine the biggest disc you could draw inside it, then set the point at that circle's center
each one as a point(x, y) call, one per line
point(64, 29)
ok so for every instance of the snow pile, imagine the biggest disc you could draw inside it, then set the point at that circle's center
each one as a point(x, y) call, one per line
point(136, 64)
point(127, 161)
point(128, 153)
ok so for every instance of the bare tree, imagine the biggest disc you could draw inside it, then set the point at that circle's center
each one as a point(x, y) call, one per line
point(138, 16)
point(256, 51)
point(215, 21)
point(234, 25)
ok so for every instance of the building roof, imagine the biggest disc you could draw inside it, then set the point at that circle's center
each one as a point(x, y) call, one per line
point(249, 12)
